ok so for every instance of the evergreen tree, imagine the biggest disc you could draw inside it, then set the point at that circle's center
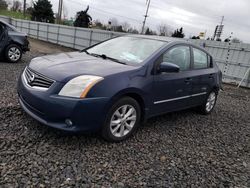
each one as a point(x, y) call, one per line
point(148, 32)
point(83, 19)
point(3, 5)
point(43, 12)
point(178, 33)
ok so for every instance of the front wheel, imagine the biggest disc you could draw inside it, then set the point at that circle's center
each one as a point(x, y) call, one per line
point(122, 120)
point(13, 53)
point(209, 104)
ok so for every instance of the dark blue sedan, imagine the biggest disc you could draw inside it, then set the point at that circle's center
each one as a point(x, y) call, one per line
point(115, 85)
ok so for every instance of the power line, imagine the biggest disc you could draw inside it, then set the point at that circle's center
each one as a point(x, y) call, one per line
point(111, 13)
point(106, 12)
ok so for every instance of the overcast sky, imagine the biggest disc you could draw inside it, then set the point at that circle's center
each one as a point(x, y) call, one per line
point(193, 15)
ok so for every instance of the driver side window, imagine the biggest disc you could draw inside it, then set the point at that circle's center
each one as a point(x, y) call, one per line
point(1, 29)
point(179, 55)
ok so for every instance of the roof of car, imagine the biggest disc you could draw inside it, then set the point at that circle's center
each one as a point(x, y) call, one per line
point(161, 38)
point(170, 40)
point(9, 25)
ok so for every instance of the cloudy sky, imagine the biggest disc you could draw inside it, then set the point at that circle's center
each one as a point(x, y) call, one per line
point(193, 15)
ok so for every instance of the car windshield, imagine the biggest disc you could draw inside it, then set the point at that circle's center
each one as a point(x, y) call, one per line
point(128, 50)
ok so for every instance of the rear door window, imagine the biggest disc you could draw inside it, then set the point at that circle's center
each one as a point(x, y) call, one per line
point(200, 59)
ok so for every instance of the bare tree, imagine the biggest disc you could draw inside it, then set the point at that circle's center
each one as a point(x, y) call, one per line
point(114, 22)
point(65, 11)
point(164, 30)
point(125, 26)
point(16, 6)
point(236, 40)
point(133, 30)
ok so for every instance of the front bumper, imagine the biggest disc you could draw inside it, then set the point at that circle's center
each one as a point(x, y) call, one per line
point(53, 110)
point(26, 46)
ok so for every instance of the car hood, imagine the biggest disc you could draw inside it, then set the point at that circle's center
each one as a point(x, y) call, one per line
point(17, 33)
point(64, 66)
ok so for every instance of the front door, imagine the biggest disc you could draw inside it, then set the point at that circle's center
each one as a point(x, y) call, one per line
point(171, 91)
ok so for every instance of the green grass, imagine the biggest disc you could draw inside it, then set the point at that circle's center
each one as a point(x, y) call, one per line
point(12, 14)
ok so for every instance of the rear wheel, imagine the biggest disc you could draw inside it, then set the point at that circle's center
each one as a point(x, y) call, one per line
point(122, 121)
point(13, 53)
point(209, 105)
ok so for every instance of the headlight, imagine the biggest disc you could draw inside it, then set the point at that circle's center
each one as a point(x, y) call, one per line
point(79, 87)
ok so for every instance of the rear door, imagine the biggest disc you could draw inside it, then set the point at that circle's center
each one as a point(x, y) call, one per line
point(203, 75)
point(171, 91)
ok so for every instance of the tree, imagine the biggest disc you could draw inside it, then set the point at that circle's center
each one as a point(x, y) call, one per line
point(114, 22)
point(178, 33)
point(236, 40)
point(43, 12)
point(227, 40)
point(3, 5)
point(98, 25)
point(163, 29)
point(118, 28)
point(148, 31)
point(125, 26)
point(133, 30)
point(16, 6)
point(83, 19)
point(195, 37)
point(29, 10)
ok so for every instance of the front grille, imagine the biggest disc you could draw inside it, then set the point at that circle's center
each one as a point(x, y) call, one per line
point(37, 80)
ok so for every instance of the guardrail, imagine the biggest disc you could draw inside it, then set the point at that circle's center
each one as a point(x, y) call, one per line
point(232, 58)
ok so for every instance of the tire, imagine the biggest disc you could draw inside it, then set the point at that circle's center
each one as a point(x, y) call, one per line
point(124, 124)
point(209, 103)
point(13, 53)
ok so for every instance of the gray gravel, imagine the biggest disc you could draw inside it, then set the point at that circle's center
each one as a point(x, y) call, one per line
point(182, 149)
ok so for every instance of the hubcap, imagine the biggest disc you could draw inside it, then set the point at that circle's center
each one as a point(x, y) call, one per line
point(14, 53)
point(123, 120)
point(210, 101)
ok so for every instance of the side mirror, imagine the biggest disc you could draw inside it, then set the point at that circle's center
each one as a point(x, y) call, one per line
point(168, 67)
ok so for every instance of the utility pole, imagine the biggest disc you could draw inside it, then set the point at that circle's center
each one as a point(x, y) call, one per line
point(146, 15)
point(59, 14)
point(222, 20)
point(24, 7)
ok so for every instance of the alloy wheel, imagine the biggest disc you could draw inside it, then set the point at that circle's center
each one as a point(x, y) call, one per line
point(14, 54)
point(123, 120)
point(210, 101)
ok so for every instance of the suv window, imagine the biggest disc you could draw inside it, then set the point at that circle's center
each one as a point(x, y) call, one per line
point(179, 55)
point(200, 59)
point(9, 28)
point(1, 29)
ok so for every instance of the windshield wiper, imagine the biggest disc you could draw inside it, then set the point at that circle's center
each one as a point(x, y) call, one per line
point(85, 51)
point(112, 59)
point(103, 56)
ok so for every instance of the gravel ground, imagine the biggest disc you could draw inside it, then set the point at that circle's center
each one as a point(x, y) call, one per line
point(181, 149)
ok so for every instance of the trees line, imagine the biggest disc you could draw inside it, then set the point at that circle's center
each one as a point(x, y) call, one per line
point(41, 11)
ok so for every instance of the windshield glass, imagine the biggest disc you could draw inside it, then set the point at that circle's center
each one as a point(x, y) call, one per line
point(131, 50)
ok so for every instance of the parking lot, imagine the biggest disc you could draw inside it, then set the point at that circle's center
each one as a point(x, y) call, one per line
point(181, 149)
